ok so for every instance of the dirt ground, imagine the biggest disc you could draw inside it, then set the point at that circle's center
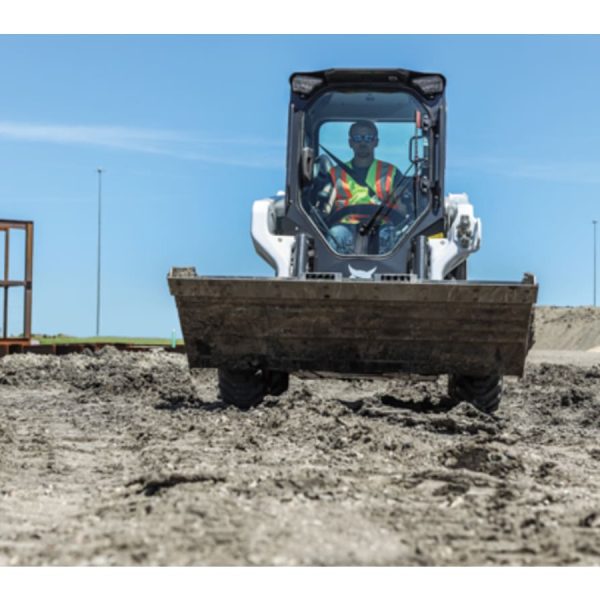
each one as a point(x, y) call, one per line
point(120, 459)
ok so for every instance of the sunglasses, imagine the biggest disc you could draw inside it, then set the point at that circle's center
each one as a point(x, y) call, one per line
point(363, 138)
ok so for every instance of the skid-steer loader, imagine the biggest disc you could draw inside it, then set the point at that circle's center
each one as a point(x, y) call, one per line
point(369, 256)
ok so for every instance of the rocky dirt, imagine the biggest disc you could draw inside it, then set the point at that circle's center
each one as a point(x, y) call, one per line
point(119, 458)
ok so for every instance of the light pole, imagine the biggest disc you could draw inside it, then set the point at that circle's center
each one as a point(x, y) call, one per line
point(594, 222)
point(100, 171)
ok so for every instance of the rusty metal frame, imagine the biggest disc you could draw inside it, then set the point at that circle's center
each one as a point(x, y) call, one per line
point(6, 283)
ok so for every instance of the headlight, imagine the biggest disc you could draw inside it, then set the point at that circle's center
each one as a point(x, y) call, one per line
point(302, 84)
point(431, 84)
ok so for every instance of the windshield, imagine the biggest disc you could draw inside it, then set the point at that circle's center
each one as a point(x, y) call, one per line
point(370, 156)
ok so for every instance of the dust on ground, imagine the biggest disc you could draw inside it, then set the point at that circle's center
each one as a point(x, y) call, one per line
point(118, 458)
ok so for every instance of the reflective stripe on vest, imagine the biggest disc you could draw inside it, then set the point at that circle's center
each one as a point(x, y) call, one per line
point(378, 170)
point(339, 178)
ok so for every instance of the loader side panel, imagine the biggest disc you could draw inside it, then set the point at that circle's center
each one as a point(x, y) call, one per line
point(360, 327)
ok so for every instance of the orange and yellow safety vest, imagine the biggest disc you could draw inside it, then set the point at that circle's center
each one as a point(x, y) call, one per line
point(380, 177)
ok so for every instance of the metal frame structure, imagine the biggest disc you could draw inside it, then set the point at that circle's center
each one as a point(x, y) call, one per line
point(26, 283)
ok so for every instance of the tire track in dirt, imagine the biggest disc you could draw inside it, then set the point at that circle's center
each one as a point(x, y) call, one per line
point(120, 458)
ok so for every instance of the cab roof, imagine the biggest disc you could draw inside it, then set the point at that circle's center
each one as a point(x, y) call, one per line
point(428, 84)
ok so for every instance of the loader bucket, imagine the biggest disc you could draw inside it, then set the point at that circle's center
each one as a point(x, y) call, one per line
point(355, 326)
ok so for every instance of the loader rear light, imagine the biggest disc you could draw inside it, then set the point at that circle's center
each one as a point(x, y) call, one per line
point(409, 277)
point(432, 84)
point(323, 276)
point(302, 84)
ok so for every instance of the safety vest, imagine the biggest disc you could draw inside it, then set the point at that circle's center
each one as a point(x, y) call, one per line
point(380, 177)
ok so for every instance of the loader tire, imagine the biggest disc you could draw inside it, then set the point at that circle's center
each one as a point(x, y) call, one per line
point(277, 382)
point(242, 389)
point(484, 393)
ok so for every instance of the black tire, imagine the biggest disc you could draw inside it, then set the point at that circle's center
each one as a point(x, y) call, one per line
point(277, 382)
point(484, 393)
point(243, 389)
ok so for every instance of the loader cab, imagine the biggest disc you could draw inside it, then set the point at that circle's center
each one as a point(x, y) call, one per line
point(365, 167)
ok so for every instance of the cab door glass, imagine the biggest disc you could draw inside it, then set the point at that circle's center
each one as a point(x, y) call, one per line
point(365, 194)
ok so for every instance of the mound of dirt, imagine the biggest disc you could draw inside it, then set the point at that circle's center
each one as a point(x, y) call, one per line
point(120, 458)
point(567, 328)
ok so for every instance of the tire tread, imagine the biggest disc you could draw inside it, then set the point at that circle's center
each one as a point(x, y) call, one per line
point(242, 389)
point(484, 393)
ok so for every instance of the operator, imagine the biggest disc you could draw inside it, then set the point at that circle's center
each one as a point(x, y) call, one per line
point(380, 176)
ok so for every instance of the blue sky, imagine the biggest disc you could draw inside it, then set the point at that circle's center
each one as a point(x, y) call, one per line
point(192, 129)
